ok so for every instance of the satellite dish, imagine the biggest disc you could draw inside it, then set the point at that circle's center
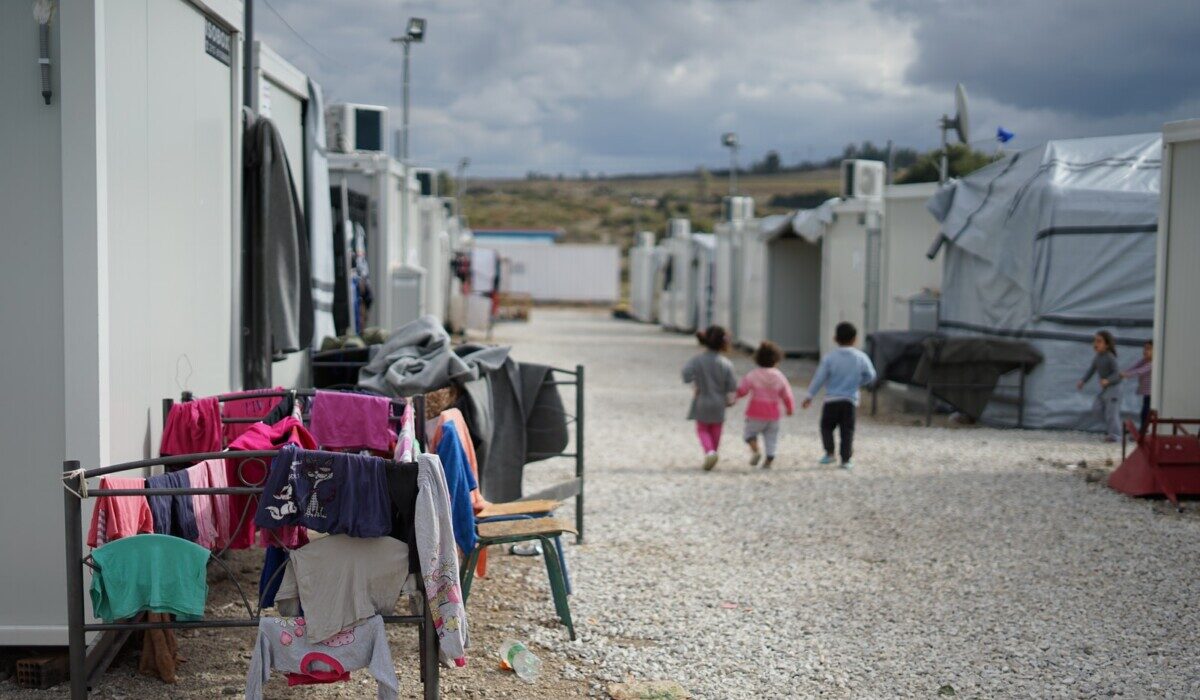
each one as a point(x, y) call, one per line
point(959, 123)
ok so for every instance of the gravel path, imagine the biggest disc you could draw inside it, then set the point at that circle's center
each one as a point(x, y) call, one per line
point(949, 559)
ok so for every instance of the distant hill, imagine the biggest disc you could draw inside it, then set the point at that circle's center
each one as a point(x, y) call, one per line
point(612, 209)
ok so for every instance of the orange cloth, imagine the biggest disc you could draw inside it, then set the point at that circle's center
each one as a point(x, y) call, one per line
point(460, 426)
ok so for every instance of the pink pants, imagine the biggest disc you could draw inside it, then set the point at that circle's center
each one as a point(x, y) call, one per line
point(710, 435)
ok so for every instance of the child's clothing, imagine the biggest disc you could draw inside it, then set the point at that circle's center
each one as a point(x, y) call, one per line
point(841, 373)
point(713, 377)
point(839, 415)
point(1107, 405)
point(768, 429)
point(768, 388)
point(1141, 369)
point(710, 436)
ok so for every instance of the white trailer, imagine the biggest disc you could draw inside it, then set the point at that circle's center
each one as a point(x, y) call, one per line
point(727, 281)
point(906, 272)
point(121, 198)
point(1176, 389)
point(644, 260)
point(562, 272)
point(393, 244)
point(779, 286)
point(676, 302)
point(704, 259)
point(850, 268)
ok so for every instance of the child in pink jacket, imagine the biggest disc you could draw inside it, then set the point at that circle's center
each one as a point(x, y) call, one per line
point(768, 390)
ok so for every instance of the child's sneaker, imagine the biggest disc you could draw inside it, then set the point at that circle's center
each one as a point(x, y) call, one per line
point(847, 464)
point(754, 458)
point(769, 461)
point(827, 459)
point(710, 461)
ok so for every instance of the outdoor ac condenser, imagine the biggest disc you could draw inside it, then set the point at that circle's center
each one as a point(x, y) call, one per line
point(862, 179)
point(354, 127)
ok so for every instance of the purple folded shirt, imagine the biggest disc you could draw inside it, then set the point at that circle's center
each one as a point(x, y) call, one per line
point(345, 421)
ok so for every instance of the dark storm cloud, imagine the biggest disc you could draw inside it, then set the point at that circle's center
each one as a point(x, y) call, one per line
point(1086, 57)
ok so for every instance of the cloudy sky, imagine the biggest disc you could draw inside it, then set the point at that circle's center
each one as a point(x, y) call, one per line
point(619, 86)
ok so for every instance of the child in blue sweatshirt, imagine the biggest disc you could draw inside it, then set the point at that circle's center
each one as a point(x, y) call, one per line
point(841, 373)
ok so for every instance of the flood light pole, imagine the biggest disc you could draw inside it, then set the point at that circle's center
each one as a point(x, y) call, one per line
point(730, 141)
point(415, 34)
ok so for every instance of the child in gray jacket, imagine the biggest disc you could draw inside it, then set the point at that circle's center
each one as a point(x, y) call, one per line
point(1107, 405)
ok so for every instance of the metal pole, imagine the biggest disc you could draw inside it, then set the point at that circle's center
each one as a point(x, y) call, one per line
point(579, 453)
point(733, 169)
point(404, 117)
point(77, 642)
point(248, 58)
point(944, 172)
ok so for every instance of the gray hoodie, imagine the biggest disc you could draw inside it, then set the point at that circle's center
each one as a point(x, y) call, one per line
point(712, 373)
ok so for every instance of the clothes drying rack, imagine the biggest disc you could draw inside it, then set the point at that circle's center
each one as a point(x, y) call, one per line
point(572, 488)
point(75, 490)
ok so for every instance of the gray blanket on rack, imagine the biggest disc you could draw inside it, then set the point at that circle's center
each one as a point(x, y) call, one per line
point(417, 358)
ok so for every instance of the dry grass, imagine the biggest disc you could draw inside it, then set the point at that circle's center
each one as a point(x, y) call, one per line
point(602, 211)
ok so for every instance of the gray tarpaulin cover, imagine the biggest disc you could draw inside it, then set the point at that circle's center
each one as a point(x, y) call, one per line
point(1050, 245)
point(964, 371)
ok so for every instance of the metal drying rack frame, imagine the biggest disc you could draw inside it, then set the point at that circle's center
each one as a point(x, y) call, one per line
point(573, 487)
point(75, 490)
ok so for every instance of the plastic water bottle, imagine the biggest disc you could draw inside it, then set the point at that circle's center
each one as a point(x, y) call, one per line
point(515, 655)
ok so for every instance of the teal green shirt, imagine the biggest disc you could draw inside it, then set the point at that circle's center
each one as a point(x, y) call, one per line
point(154, 573)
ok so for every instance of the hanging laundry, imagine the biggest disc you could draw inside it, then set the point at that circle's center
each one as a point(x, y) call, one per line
point(340, 580)
point(407, 441)
point(173, 515)
point(459, 483)
point(256, 407)
point(222, 516)
point(327, 492)
point(455, 417)
point(274, 560)
point(192, 426)
point(439, 561)
point(149, 573)
point(253, 472)
point(114, 517)
point(402, 492)
point(284, 644)
point(206, 525)
point(350, 421)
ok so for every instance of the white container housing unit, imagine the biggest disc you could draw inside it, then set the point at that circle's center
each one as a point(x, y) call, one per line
point(704, 258)
point(730, 234)
point(676, 302)
point(1176, 388)
point(907, 272)
point(393, 249)
point(779, 286)
point(851, 250)
point(563, 272)
point(644, 262)
point(121, 198)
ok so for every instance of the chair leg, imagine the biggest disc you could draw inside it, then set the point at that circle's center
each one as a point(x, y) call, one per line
point(558, 586)
point(562, 559)
point(468, 572)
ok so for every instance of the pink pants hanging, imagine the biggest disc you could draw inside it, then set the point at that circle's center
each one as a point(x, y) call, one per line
point(710, 435)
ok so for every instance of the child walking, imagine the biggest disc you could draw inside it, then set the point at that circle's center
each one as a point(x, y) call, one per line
point(1108, 403)
point(841, 373)
point(768, 388)
point(1141, 369)
point(712, 375)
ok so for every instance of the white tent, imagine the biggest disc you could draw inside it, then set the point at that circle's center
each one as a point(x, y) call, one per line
point(1050, 245)
point(1176, 392)
point(906, 272)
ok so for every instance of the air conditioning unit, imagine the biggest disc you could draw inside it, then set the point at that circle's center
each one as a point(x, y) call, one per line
point(354, 127)
point(427, 180)
point(737, 208)
point(863, 179)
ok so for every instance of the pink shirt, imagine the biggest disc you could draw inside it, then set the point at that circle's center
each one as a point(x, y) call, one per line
point(768, 388)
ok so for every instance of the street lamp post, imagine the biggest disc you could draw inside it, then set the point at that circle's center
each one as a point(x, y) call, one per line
point(460, 191)
point(730, 140)
point(415, 34)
